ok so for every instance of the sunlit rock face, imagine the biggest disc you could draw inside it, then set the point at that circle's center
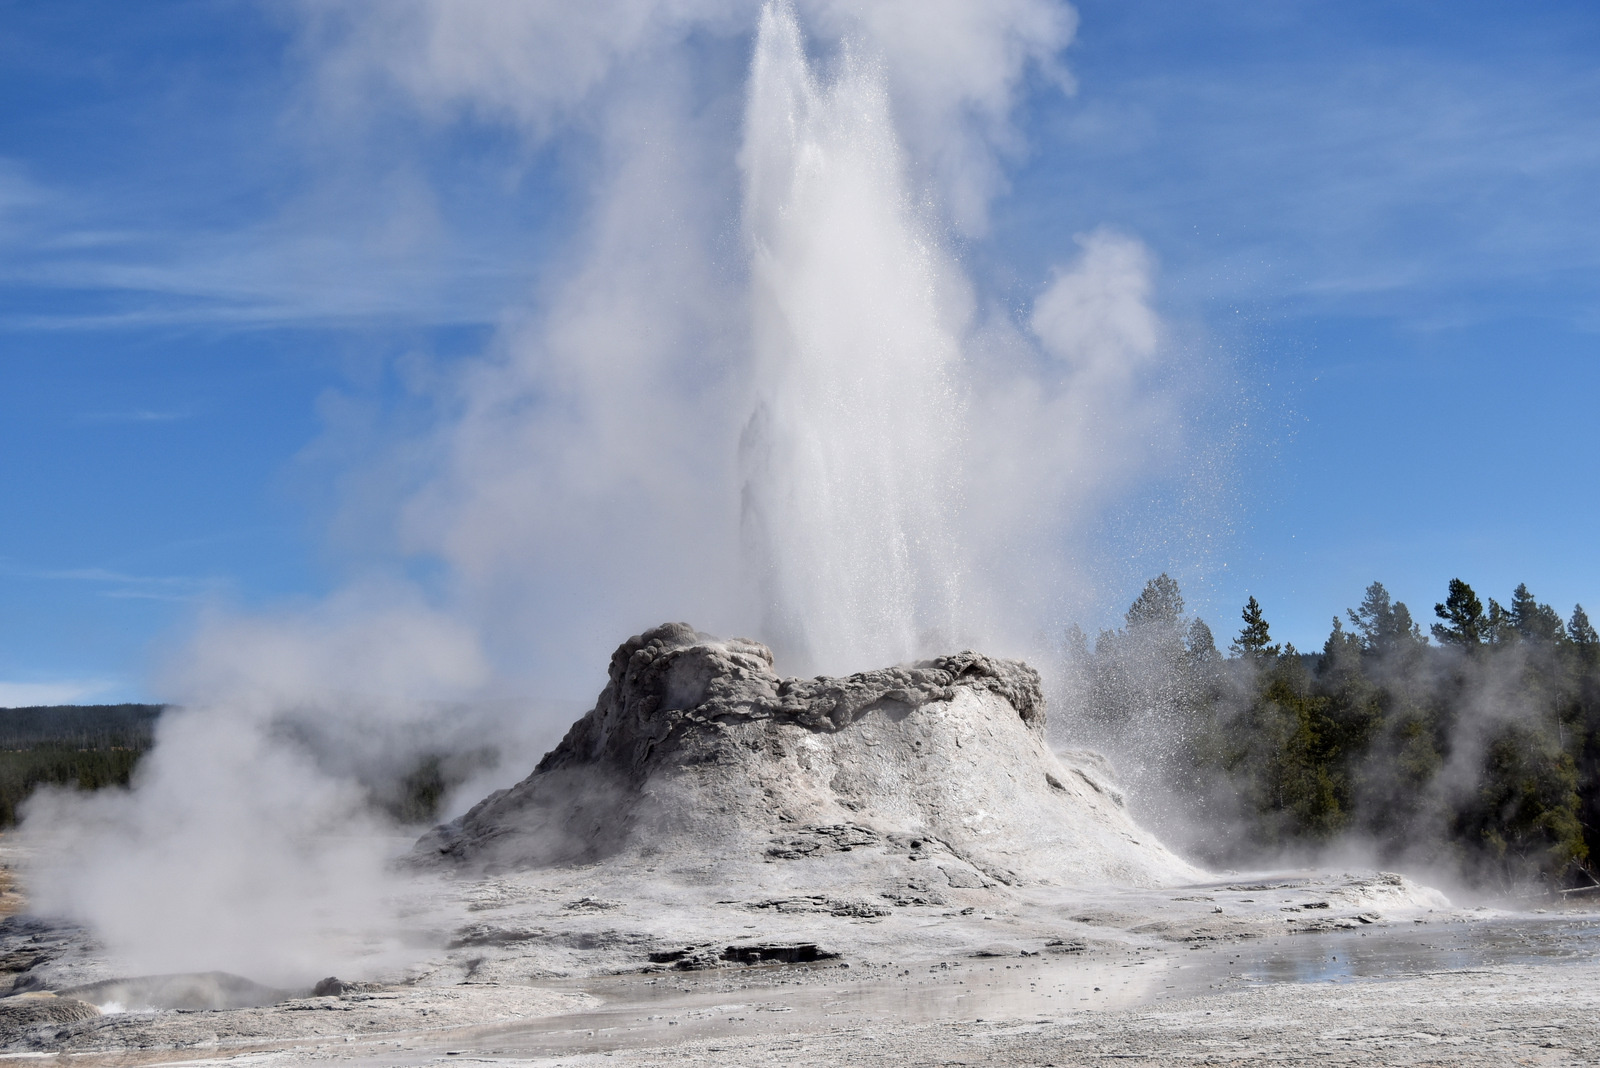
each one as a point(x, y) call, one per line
point(699, 757)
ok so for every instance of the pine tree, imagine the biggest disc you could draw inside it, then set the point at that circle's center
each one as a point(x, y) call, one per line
point(1525, 819)
point(1373, 620)
point(1151, 689)
point(1382, 625)
point(1254, 640)
point(1497, 628)
point(1462, 612)
point(1583, 637)
point(1159, 605)
point(1584, 644)
point(1406, 629)
point(1342, 651)
point(1200, 645)
point(1531, 620)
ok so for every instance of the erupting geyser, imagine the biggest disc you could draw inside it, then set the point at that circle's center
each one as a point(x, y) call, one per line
point(700, 759)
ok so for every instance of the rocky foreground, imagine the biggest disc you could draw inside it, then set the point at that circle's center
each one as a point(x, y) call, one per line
point(1147, 979)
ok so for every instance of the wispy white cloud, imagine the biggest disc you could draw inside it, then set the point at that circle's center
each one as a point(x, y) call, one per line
point(368, 236)
point(1353, 177)
point(138, 587)
point(138, 415)
point(356, 240)
point(252, 278)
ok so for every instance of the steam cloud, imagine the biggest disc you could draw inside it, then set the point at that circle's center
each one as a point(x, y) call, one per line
point(815, 434)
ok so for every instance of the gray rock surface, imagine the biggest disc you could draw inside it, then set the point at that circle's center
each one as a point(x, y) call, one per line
point(20, 1012)
point(932, 775)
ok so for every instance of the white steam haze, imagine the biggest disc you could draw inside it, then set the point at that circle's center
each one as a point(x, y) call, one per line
point(759, 393)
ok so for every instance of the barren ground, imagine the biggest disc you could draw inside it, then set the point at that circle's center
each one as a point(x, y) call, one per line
point(1336, 968)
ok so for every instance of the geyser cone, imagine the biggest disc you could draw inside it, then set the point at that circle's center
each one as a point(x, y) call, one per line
point(699, 757)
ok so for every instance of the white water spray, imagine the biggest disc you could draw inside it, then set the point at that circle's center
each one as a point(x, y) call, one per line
point(852, 459)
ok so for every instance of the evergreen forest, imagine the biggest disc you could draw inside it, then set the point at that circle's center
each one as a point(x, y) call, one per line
point(85, 746)
point(90, 747)
point(1470, 746)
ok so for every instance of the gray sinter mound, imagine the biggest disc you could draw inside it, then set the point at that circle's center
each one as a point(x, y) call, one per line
point(697, 751)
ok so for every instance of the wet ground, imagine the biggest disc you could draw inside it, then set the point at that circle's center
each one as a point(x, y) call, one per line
point(672, 1009)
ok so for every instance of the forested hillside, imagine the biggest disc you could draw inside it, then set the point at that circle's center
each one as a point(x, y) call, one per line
point(1473, 745)
point(88, 746)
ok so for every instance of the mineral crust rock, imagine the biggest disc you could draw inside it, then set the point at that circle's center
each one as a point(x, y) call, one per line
point(698, 754)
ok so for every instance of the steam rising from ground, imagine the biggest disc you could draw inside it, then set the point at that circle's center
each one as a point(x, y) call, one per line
point(253, 837)
point(817, 435)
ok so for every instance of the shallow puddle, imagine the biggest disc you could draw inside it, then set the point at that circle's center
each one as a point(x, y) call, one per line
point(1386, 952)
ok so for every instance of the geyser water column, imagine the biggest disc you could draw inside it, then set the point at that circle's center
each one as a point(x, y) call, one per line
point(851, 459)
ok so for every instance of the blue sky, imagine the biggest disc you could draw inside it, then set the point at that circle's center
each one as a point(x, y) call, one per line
point(1376, 220)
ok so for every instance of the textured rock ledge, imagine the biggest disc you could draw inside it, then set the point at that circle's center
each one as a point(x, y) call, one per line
point(673, 680)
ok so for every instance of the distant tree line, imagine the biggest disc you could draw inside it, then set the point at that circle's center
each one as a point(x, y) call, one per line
point(1478, 750)
point(83, 746)
point(91, 747)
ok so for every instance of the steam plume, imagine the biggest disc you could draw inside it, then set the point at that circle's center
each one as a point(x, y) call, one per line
point(817, 435)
